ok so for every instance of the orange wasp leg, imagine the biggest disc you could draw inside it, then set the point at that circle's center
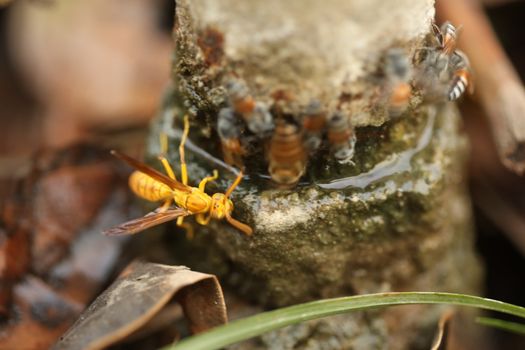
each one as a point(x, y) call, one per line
point(164, 206)
point(187, 227)
point(202, 184)
point(164, 150)
point(167, 167)
point(183, 168)
point(184, 174)
point(203, 219)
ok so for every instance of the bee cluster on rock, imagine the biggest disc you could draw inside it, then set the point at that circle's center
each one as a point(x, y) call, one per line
point(439, 72)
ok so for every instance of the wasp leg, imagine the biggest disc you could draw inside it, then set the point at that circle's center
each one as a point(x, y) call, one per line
point(202, 219)
point(167, 167)
point(183, 168)
point(163, 138)
point(207, 179)
point(186, 226)
point(164, 206)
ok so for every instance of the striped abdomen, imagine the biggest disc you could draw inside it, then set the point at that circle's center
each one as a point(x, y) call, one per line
point(314, 122)
point(286, 154)
point(460, 83)
point(449, 36)
point(148, 188)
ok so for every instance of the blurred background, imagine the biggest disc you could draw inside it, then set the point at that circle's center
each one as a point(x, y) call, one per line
point(95, 71)
point(73, 71)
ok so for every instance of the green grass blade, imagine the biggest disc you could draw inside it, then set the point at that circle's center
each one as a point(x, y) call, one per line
point(501, 324)
point(267, 321)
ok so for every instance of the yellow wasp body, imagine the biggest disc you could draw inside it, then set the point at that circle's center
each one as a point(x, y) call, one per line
point(154, 186)
point(152, 190)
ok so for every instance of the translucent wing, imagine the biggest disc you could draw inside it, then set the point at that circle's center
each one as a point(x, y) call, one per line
point(149, 220)
point(152, 172)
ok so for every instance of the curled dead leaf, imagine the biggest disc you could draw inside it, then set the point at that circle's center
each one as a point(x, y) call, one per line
point(137, 296)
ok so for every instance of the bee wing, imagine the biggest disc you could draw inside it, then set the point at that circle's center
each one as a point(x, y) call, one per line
point(438, 35)
point(149, 220)
point(152, 172)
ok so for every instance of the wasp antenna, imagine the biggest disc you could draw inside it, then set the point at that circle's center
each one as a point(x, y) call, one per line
point(247, 230)
point(234, 184)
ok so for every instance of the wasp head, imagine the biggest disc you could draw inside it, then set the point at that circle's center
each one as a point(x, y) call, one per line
point(221, 206)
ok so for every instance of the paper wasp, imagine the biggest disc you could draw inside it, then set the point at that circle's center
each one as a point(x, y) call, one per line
point(154, 186)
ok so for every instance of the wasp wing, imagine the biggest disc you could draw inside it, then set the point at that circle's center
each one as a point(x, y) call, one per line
point(152, 172)
point(149, 220)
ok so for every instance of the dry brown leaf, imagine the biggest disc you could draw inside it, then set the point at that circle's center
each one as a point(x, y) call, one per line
point(42, 316)
point(442, 333)
point(53, 258)
point(141, 291)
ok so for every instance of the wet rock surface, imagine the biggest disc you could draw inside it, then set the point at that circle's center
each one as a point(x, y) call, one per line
point(403, 224)
point(376, 231)
point(396, 218)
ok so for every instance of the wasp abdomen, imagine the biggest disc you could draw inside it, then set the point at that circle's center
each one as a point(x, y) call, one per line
point(148, 188)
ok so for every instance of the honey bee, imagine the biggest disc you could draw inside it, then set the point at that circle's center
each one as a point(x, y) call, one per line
point(154, 186)
point(462, 77)
point(314, 122)
point(446, 70)
point(398, 73)
point(439, 58)
point(447, 36)
point(229, 132)
point(256, 115)
point(286, 154)
point(341, 137)
point(457, 63)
